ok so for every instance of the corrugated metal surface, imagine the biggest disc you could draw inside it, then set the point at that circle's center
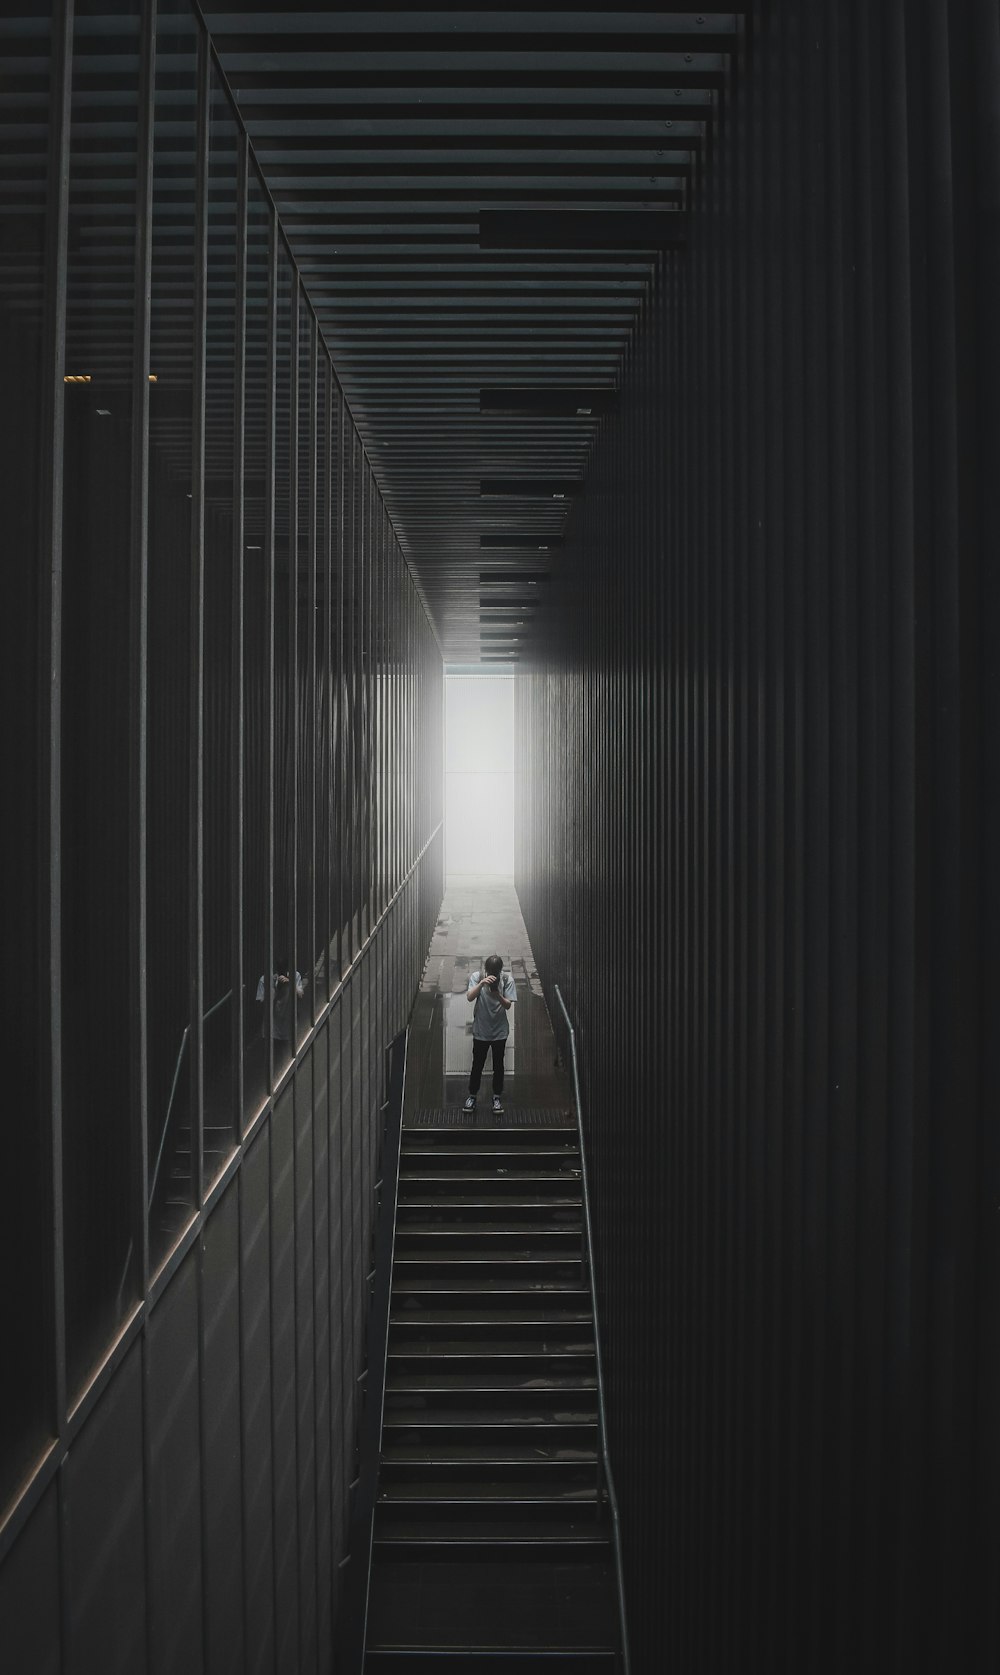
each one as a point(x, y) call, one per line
point(758, 802)
point(222, 1487)
point(474, 192)
point(25, 440)
point(99, 1557)
point(758, 790)
point(238, 655)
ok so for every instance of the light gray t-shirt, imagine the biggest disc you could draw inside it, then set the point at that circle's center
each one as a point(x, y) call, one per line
point(489, 1020)
point(281, 1012)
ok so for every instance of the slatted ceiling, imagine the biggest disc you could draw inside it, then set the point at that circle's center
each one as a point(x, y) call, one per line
point(474, 197)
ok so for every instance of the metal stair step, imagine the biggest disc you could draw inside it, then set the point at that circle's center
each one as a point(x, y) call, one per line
point(501, 1183)
point(492, 1144)
point(492, 1544)
point(436, 1323)
point(487, 1344)
point(486, 1380)
point(555, 1166)
point(490, 1467)
point(531, 1301)
point(414, 1236)
point(482, 1404)
point(480, 1282)
point(454, 1212)
point(577, 1424)
point(407, 1458)
point(488, 1207)
point(494, 1264)
point(456, 1135)
point(504, 1499)
point(530, 1476)
point(404, 1660)
point(487, 1359)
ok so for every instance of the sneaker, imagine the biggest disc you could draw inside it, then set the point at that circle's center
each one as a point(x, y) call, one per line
point(497, 1107)
point(470, 1103)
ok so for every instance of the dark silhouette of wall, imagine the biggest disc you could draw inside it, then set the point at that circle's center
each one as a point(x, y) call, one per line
point(222, 750)
point(757, 839)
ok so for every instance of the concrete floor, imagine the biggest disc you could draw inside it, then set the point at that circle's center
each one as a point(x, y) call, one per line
point(481, 916)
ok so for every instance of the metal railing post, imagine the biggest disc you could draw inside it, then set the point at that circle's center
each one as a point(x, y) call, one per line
point(604, 1462)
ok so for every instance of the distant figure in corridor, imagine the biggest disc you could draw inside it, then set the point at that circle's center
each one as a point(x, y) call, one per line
point(494, 994)
point(282, 1011)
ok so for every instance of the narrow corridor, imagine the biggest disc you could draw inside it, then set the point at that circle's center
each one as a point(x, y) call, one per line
point(481, 916)
point(492, 1534)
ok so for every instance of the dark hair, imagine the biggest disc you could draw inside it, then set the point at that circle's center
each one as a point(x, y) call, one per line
point(493, 965)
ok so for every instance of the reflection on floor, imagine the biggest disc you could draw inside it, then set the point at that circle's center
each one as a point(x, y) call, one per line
point(481, 916)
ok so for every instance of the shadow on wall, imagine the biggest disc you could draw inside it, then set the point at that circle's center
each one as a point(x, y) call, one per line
point(759, 796)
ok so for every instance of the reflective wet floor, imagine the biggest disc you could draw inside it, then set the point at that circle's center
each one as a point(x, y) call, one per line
point(481, 916)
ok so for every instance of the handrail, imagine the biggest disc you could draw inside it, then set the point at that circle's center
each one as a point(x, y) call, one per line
point(173, 1090)
point(383, 1300)
point(347, 971)
point(342, 979)
point(163, 1139)
point(343, 976)
point(354, 1615)
point(602, 1423)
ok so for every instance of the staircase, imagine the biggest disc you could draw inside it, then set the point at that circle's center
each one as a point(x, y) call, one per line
point(172, 1204)
point(491, 1545)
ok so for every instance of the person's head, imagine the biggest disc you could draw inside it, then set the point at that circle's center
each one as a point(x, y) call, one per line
point(281, 965)
point(493, 965)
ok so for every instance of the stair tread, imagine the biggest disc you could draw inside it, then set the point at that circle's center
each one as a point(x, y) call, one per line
point(535, 1605)
point(493, 1380)
point(518, 1136)
point(485, 1258)
point(484, 1230)
point(491, 1317)
point(488, 1475)
point(459, 1454)
point(435, 1493)
point(491, 1660)
point(497, 1418)
point(536, 1156)
point(473, 1201)
point(502, 1186)
point(433, 1538)
point(519, 1292)
point(485, 1167)
point(414, 1284)
point(484, 1161)
point(429, 1349)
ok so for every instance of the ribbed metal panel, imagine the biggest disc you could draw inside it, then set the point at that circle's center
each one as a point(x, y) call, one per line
point(241, 780)
point(27, 450)
point(757, 812)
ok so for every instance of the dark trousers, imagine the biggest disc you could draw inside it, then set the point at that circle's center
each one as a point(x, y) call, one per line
point(479, 1052)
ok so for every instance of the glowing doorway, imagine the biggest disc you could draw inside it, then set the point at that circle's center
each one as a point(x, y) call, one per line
point(479, 775)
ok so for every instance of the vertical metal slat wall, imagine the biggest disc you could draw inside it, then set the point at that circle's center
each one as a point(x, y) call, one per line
point(757, 813)
point(237, 759)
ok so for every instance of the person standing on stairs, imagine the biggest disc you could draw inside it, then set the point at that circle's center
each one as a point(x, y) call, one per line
point(494, 993)
point(282, 1010)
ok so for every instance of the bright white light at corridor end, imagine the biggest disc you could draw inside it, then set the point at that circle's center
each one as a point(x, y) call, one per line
point(479, 774)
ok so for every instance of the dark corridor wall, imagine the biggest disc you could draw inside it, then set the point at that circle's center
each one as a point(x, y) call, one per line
point(221, 767)
point(757, 847)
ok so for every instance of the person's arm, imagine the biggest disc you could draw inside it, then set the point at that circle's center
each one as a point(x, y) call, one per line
point(493, 984)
